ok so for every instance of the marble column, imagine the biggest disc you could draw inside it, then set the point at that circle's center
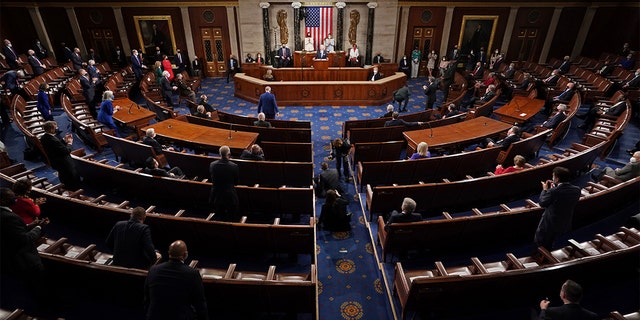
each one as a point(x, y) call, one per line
point(546, 47)
point(583, 31)
point(370, 23)
point(296, 25)
point(124, 39)
point(340, 26)
point(266, 31)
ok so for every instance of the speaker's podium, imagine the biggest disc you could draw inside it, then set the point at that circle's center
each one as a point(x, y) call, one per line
point(320, 64)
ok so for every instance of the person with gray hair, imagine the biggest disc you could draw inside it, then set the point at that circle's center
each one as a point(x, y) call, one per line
point(571, 294)
point(407, 213)
point(105, 115)
point(167, 89)
point(261, 121)
point(150, 140)
point(389, 112)
point(512, 136)
point(554, 121)
point(224, 177)
point(131, 242)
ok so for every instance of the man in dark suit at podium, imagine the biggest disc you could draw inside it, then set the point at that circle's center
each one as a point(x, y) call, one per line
point(322, 53)
point(284, 56)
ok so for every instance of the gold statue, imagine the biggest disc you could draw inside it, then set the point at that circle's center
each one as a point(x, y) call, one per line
point(282, 22)
point(353, 26)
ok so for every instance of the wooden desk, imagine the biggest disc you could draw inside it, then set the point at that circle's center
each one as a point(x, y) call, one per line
point(201, 137)
point(131, 114)
point(519, 110)
point(455, 135)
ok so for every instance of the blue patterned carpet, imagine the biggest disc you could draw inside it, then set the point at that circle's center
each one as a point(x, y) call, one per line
point(354, 283)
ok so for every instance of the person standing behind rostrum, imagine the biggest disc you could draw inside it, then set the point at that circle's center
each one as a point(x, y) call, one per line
point(224, 177)
point(131, 242)
point(559, 198)
point(174, 290)
point(267, 104)
point(571, 294)
point(407, 214)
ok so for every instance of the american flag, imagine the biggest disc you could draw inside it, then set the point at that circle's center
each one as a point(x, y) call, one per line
point(319, 22)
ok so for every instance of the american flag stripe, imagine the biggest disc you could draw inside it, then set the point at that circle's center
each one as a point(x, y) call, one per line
point(319, 23)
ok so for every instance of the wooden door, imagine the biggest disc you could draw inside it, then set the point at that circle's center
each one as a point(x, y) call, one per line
point(103, 43)
point(215, 52)
point(527, 44)
point(423, 39)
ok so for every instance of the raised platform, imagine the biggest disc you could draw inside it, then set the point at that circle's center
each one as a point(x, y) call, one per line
point(307, 86)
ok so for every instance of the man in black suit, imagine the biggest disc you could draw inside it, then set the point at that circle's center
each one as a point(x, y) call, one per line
point(167, 88)
point(255, 153)
point(41, 51)
point(560, 115)
point(174, 290)
point(634, 82)
point(21, 268)
point(224, 176)
point(595, 112)
point(404, 66)
point(430, 91)
point(10, 55)
point(233, 67)
point(328, 179)
point(322, 53)
point(559, 198)
point(512, 136)
point(488, 95)
point(571, 294)
point(150, 140)
point(407, 214)
point(136, 64)
point(399, 122)
point(447, 79)
point(181, 61)
point(261, 121)
point(10, 80)
point(565, 65)
point(389, 112)
point(284, 56)
point(131, 242)
point(58, 151)
point(76, 59)
point(89, 91)
point(119, 58)
point(36, 65)
point(402, 95)
point(378, 59)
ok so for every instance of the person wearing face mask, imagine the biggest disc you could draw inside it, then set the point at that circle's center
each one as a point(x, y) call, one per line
point(431, 63)
point(558, 198)
point(404, 66)
point(626, 173)
point(634, 82)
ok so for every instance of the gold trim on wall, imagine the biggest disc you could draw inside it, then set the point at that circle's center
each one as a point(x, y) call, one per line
point(473, 18)
point(139, 31)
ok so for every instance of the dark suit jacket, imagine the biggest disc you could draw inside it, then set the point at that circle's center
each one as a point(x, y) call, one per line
point(76, 60)
point(378, 59)
point(399, 122)
point(58, 153)
point(181, 65)
point(507, 141)
point(11, 57)
point(173, 290)
point(617, 109)
point(236, 65)
point(37, 68)
point(247, 155)
point(558, 203)
point(224, 176)
point(167, 89)
point(285, 56)
point(401, 94)
point(555, 120)
point(10, 78)
point(268, 105)
point(157, 147)
point(508, 74)
point(397, 217)
point(322, 54)
point(570, 311)
point(131, 244)
point(634, 82)
point(136, 66)
point(387, 115)
point(430, 92)
point(259, 123)
point(328, 180)
point(88, 89)
point(375, 77)
point(18, 254)
point(564, 67)
point(566, 95)
point(403, 65)
point(119, 58)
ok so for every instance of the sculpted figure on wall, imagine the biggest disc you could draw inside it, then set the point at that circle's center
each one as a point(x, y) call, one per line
point(282, 22)
point(353, 26)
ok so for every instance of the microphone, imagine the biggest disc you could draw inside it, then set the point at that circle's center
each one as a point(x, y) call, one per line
point(515, 100)
point(170, 126)
point(430, 129)
point(230, 128)
point(129, 111)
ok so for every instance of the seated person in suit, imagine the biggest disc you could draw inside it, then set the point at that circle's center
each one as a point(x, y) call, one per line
point(555, 120)
point(407, 213)
point(510, 72)
point(152, 168)
point(375, 75)
point(626, 173)
point(571, 294)
point(400, 122)
point(422, 152)
point(518, 164)
point(551, 80)
point(256, 153)
point(389, 112)
point(184, 90)
point(328, 179)
point(201, 112)
point(488, 95)
point(634, 82)
point(452, 110)
point(261, 121)
point(512, 136)
point(205, 102)
point(249, 58)
point(606, 69)
point(334, 216)
point(564, 96)
point(595, 112)
point(150, 140)
point(378, 59)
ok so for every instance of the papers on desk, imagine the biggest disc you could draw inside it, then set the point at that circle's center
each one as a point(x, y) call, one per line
point(523, 114)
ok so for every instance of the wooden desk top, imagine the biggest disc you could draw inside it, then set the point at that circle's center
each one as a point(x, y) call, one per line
point(193, 135)
point(457, 134)
point(131, 114)
point(519, 109)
